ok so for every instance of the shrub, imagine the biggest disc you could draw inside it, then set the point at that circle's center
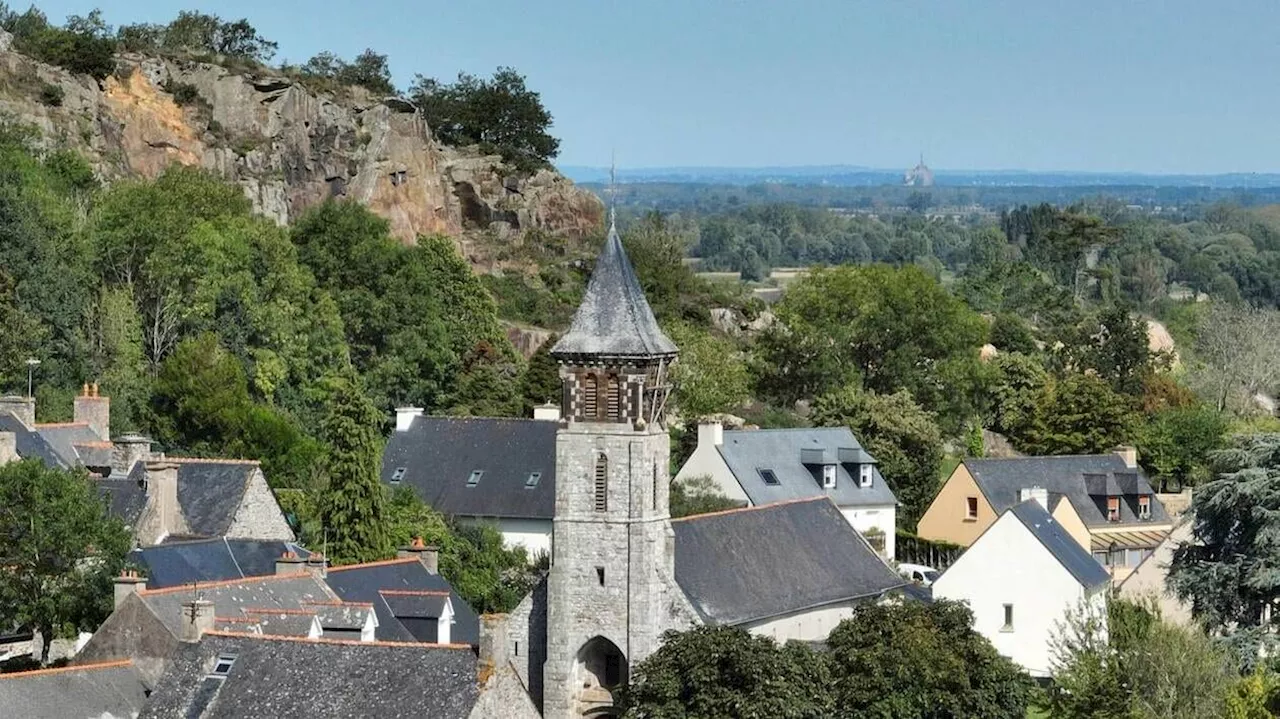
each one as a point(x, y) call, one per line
point(184, 93)
point(51, 95)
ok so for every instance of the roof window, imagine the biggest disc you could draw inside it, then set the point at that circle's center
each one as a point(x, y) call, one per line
point(222, 666)
point(769, 477)
point(474, 479)
point(532, 480)
point(398, 475)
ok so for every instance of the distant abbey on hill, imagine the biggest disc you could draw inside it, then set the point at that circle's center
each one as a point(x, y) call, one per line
point(918, 176)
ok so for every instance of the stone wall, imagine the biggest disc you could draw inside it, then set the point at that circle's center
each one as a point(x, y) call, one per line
point(259, 515)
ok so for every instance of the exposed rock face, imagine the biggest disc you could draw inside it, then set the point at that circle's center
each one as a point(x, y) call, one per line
point(289, 147)
point(526, 340)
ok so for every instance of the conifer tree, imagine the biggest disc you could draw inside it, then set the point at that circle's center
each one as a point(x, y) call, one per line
point(352, 509)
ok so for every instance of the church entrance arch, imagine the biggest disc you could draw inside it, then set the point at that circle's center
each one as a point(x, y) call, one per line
point(600, 670)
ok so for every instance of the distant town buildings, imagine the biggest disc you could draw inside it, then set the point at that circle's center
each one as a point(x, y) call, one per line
point(918, 176)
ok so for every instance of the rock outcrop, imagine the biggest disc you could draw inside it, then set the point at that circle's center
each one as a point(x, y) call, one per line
point(288, 146)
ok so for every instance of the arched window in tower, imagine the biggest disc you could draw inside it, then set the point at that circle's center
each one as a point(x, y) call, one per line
point(613, 400)
point(602, 483)
point(589, 404)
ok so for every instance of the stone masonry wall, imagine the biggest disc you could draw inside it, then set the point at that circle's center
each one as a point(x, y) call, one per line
point(259, 515)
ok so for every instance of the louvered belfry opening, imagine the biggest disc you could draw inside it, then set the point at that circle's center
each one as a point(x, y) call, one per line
point(590, 406)
point(602, 483)
point(613, 400)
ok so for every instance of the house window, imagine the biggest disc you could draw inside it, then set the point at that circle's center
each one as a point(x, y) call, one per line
point(1008, 618)
point(769, 477)
point(532, 480)
point(1144, 506)
point(600, 575)
point(970, 508)
point(828, 476)
point(864, 475)
point(589, 404)
point(1104, 558)
point(222, 666)
point(474, 479)
point(398, 475)
point(602, 483)
point(1113, 509)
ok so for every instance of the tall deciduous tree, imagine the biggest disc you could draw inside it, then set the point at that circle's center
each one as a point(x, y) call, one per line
point(1076, 414)
point(1236, 349)
point(59, 550)
point(352, 510)
point(711, 376)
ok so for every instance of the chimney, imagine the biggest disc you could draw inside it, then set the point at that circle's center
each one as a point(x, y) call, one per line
point(548, 411)
point(290, 563)
point(24, 408)
point(127, 451)
point(197, 618)
point(710, 434)
point(162, 515)
point(128, 583)
point(1129, 454)
point(8, 448)
point(94, 411)
point(404, 417)
point(493, 640)
point(1040, 494)
point(428, 554)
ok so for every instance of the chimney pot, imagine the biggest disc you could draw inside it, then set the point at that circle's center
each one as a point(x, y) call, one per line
point(427, 554)
point(290, 564)
point(94, 411)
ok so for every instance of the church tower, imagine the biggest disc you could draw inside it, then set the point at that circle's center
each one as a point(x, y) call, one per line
point(612, 574)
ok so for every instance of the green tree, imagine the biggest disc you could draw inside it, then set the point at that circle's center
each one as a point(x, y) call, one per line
point(698, 495)
point(1076, 414)
point(541, 380)
point(117, 357)
point(352, 509)
point(902, 437)
point(711, 376)
point(1175, 444)
point(59, 553)
point(914, 660)
point(728, 673)
point(1113, 346)
point(501, 114)
point(1010, 333)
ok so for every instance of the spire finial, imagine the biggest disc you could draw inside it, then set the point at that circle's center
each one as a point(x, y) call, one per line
point(613, 191)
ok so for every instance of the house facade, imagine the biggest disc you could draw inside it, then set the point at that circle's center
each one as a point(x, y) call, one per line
point(1149, 580)
point(1021, 578)
point(1103, 501)
point(756, 467)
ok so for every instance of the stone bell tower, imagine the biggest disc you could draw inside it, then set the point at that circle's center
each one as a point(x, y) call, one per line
point(612, 550)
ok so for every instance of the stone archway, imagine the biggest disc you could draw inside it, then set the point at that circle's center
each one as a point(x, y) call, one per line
point(600, 669)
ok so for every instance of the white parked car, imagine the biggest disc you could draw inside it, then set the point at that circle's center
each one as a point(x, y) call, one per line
point(918, 573)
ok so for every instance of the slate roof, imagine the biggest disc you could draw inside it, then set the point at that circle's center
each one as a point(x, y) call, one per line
point(1001, 479)
point(366, 582)
point(439, 454)
point(276, 677)
point(210, 491)
point(614, 319)
point(210, 560)
point(126, 494)
point(750, 564)
point(64, 437)
point(231, 598)
point(109, 689)
point(30, 444)
point(749, 451)
point(1061, 545)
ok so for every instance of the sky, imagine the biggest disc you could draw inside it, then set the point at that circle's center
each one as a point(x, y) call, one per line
point(1179, 86)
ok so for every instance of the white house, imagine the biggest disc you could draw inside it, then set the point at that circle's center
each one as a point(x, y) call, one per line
point(1021, 578)
point(763, 466)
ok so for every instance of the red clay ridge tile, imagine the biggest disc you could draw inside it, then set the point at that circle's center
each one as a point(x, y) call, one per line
point(60, 670)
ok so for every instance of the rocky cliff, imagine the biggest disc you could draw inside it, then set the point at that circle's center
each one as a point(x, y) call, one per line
point(288, 146)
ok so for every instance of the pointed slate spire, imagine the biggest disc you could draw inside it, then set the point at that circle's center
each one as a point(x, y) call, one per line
point(614, 319)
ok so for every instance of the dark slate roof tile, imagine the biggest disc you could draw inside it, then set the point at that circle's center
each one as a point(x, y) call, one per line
point(750, 564)
point(274, 677)
point(64, 437)
point(126, 494)
point(1061, 545)
point(439, 454)
point(211, 560)
point(230, 599)
point(111, 689)
point(210, 491)
point(30, 444)
point(747, 452)
point(614, 319)
point(1079, 478)
point(365, 582)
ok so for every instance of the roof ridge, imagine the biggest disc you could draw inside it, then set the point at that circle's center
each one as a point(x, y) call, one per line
point(1043, 456)
point(412, 593)
point(55, 425)
point(210, 460)
point(378, 563)
point(335, 603)
point(70, 668)
point(755, 507)
point(196, 586)
point(93, 443)
point(282, 610)
point(322, 640)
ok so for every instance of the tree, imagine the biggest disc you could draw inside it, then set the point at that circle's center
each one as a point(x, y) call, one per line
point(1235, 355)
point(1175, 444)
point(369, 70)
point(902, 437)
point(711, 376)
point(698, 495)
point(1113, 346)
point(1010, 333)
point(1227, 574)
point(1075, 414)
point(59, 550)
point(716, 672)
point(352, 509)
point(914, 660)
point(500, 114)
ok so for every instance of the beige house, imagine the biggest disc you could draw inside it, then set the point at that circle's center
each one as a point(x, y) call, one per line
point(1148, 580)
point(1103, 501)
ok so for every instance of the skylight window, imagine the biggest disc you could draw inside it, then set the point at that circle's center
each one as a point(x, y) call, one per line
point(532, 480)
point(769, 477)
point(474, 479)
point(398, 475)
point(222, 666)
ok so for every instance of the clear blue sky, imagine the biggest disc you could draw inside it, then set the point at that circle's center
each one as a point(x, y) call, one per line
point(1134, 85)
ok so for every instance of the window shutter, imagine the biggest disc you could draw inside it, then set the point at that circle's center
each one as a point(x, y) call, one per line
point(589, 398)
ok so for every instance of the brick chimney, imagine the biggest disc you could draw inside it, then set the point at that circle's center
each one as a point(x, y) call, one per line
point(24, 408)
point(128, 583)
point(290, 563)
point(94, 410)
point(127, 451)
point(428, 554)
point(197, 618)
point(163, 515)
point(8, 447)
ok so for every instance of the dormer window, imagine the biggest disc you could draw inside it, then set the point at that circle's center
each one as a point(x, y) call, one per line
point(828, 476)
point(1113, 509)
point(864, 475)
point(1144, 506)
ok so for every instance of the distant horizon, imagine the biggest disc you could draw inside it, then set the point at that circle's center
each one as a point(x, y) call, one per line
point(633, 169)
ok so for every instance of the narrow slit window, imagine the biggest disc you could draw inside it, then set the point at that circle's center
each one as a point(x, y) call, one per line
point(828, 476)
point(1113, 509)
point(1008, 618)
point(655, 486)
point(600, 575)
point(971, 508)
point(864, 475)
point(1144, 507)
point(474, 479)
point(398, 475)
point(602, 484)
